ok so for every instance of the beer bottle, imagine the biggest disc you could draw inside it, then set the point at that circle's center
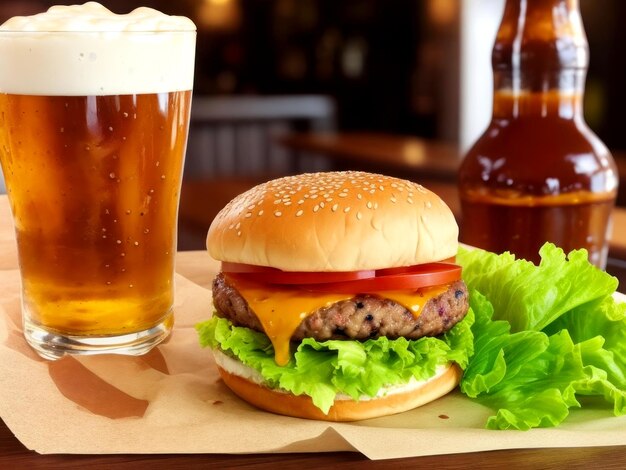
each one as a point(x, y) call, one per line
point(538, 173)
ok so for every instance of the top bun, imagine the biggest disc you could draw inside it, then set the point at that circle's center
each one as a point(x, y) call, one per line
point(336, 221)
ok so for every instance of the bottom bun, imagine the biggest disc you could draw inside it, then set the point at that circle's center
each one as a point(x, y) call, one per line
point(398, 399)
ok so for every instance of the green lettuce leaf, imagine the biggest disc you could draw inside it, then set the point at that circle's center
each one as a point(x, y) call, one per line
point(544, 335)
point(324, 369)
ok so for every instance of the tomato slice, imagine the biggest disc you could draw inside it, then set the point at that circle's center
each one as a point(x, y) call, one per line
point(414, 277)
point(276, 276)
point(409, 277)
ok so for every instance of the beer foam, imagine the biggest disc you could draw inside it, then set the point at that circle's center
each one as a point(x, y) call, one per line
point(88, 50)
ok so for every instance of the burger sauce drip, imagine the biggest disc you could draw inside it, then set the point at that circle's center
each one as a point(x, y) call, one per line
point(538, 173)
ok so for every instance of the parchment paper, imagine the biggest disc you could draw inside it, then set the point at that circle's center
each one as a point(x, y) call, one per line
point(172, 401)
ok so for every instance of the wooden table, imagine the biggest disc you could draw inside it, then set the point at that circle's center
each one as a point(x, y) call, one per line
point(406, 156)
point(195, 266)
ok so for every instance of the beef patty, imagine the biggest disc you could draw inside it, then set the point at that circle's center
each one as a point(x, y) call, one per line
point(361, 317)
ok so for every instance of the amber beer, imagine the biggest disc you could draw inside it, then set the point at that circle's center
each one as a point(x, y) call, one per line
point(93, 181)
point(538, 174)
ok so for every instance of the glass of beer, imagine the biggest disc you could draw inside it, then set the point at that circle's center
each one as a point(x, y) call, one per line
point(94, 115)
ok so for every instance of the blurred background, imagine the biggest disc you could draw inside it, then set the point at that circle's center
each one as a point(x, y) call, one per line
point(404, 86)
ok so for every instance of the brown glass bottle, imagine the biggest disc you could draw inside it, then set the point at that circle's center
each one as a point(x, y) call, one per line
point(538, 173)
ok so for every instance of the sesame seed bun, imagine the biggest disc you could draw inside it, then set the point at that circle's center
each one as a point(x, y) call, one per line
point(335, 221)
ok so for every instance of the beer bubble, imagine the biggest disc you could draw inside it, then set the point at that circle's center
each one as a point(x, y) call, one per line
point(130, 285)
point(62, 129)
point(122, 255)
point(146, 230)
point(125, 114)
point(157, 163)
point(108, 283)
point(112, 175)
point(136, 243)
point(111, 128)
point(119, 242)
point(128, 211)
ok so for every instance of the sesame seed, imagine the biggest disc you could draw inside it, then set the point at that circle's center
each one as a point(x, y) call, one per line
point(278, 213)
point(288, 203)
point(322, 204)
point(359, 196)
point(335, 207)
point(301, 201)
point(231, 226)
point(299, 213)
point(359, 215)
point(409, 200)
point(393, 199)
point(375, 205)
point(238, 225)
point(261, 212)
point(369, 204)
point(372, 191)
point(239, 233)
point(342, 195)
point(428, 204)
point(346, 210)
point(316, 208)
point(314, 196)
point(251, 206)
point(248, 214)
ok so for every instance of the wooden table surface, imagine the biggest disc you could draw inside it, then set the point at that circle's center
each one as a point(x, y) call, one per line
point(194, 266)
point(392, 154)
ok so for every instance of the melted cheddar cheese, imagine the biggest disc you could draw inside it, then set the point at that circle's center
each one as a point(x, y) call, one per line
point(294, 305)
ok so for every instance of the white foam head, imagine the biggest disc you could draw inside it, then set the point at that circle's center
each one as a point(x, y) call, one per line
point(88, 50)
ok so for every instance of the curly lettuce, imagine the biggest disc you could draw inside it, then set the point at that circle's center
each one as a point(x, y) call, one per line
point(323, 369)
point(544, 336)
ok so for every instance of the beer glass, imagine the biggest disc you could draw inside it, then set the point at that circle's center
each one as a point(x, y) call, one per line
point(93, 129)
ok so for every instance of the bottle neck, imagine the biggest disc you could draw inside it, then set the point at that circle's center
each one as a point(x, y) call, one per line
point(551, 94)
point(539, 60)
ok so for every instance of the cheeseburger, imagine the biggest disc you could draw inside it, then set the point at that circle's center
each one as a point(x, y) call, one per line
point(338, 296)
